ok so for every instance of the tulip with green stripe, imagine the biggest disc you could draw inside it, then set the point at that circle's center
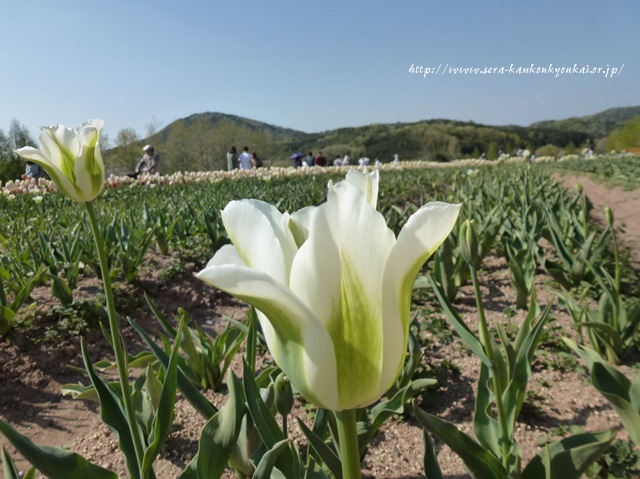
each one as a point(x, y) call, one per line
point(72, 158)
point(332, 286)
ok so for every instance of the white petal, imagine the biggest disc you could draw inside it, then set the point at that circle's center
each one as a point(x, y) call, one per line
point(262, 237)
point(420, 237)
point(58, 177)
point(89, 168)
point(59, 146)
point(298, 341)
point(367, 183)
point(338, 274)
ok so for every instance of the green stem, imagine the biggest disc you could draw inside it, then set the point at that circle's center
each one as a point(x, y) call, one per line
point(348, 439)
point(119, 347)
point(498, 387)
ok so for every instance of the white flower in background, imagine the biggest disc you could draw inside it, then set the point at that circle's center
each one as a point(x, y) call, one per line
point(72, 158)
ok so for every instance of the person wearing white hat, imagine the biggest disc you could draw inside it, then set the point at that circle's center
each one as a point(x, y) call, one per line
point(149, 161)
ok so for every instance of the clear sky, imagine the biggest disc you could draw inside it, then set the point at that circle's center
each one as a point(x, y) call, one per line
point(312, 66)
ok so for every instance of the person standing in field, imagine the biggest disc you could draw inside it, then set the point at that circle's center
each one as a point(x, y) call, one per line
point(149, 161)
point(232, 157)
point(244, 160)
point(309, 159)
point(320, 160)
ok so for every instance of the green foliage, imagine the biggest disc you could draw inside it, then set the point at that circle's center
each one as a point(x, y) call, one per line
point(626, 136)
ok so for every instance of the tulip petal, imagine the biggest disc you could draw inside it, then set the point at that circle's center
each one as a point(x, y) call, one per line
point(338, 274)
point(57, 176)
point(298, 341)
point(89, 168)
point(60, 146)
point(425, 230)
point(262, 237)
point(367, 183)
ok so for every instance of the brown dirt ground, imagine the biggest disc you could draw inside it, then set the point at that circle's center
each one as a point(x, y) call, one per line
point(31, 374)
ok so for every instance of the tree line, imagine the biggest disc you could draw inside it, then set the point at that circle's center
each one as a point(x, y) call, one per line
point(201, 141)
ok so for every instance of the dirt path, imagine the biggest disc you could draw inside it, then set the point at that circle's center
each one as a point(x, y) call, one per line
point(625, 206)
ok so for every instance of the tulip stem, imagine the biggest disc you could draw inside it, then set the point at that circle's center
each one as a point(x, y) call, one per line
point(119, 347)
point(348, 440)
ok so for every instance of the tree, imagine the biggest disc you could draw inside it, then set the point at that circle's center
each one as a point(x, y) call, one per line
point(125, 156)
point(626, 136)
point(153, 126)
point(11, 165)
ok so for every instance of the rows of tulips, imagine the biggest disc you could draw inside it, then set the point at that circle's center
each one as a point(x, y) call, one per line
point(369, 236)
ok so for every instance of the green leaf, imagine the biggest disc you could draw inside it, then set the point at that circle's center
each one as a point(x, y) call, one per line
point(266, 424)
point(220, 434)
point(328, 455)
point(461, 328)
point(480, 462)
point(8, 466)
point(163, 419)
point(54, 462)
point(195, 397)
point(616, 390)
point(6, 320)
point(568, 458)
point(267, 463)
point(113, 414)
point(431, 467)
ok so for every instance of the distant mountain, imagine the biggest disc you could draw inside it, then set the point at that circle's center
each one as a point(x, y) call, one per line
point(200, 141)
point(213, 118)
point(598, 125)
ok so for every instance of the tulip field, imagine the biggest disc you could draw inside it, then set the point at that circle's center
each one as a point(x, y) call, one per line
point(490, 303)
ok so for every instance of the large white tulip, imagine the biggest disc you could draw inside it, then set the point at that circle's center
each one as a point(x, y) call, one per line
point(332, 286)
point(72, 158)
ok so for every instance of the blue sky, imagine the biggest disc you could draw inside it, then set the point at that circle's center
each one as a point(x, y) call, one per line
point(311, 66)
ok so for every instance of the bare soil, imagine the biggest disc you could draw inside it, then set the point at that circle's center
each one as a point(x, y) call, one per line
point(34, 365)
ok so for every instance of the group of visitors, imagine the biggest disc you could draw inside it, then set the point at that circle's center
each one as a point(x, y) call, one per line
point(244, 161)
point(149, 163)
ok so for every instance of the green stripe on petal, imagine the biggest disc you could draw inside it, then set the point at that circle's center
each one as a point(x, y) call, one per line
point(60, 145)
point(89, 168)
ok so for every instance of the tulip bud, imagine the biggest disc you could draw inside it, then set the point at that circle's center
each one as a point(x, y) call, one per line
point(283, 395)
point(609, 215)
point(468, 242)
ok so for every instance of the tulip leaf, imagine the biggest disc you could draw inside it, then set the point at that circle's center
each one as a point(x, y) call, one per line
point(431, 466)
point(485, 425)
point(6, 319)
point(112, 413)
point(9, 468)
point(54, 462)
point(263, 419)
point(220, 434)
point(163, 418)
point(266, 424)
point(461, 328)
point(195, 397)
point(616, 390)
point(265, 469)
point(383, 411)
point(328, 455)
point(480, 462)
point(568, 458)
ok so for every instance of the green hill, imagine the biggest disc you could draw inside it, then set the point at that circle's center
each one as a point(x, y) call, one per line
point(200, 141)
point(598, 125)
